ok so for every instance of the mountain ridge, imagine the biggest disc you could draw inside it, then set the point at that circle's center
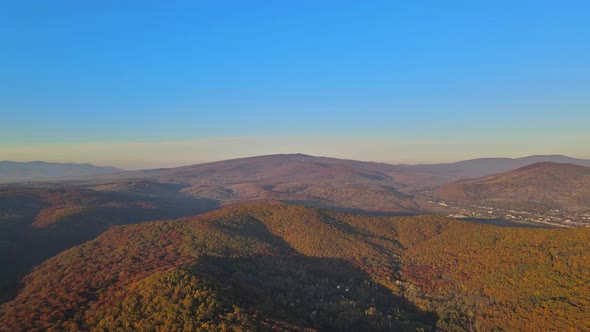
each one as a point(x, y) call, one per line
point(320, 181)
point(474, 168)
point(13, 171)
point(469, 168)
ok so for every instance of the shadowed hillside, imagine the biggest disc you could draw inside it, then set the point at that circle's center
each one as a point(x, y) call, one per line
point(36, 224)
point(283, 267)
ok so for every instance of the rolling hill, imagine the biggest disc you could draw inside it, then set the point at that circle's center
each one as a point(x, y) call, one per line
point(11, 171)
point(536, 187)
point(284, 268)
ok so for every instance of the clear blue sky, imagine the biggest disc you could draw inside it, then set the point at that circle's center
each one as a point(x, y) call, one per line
point(76, 73)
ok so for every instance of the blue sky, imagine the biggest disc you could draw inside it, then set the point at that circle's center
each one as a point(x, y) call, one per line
point(474, 78)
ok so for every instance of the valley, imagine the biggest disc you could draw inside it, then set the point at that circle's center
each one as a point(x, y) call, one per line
point(551, 218)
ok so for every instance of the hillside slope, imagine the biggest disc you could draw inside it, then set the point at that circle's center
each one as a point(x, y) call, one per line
point(537, 187)
point(282, 267)
point(36, 224)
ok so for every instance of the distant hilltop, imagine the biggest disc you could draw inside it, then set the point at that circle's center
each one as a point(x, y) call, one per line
point(537, 187)
point(475, 168)
point(37, 170)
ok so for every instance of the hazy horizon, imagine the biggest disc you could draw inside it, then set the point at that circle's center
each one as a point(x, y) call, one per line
point(143, 85)
point(132, 156)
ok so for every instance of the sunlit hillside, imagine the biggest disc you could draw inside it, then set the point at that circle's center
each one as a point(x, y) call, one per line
point(283, 267)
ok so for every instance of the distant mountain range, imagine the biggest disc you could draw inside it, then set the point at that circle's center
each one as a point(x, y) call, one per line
point(245, 168)
point(38, 170)
point(475, 168)
point(270, 167)
point(537, 187)
point(326, 182)
point(348, 185)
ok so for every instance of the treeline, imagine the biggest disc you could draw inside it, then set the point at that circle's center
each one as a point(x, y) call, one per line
point(509, 278)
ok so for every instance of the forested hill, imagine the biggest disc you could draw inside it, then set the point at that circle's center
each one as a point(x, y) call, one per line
point(536, 187)
point(284, 267)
